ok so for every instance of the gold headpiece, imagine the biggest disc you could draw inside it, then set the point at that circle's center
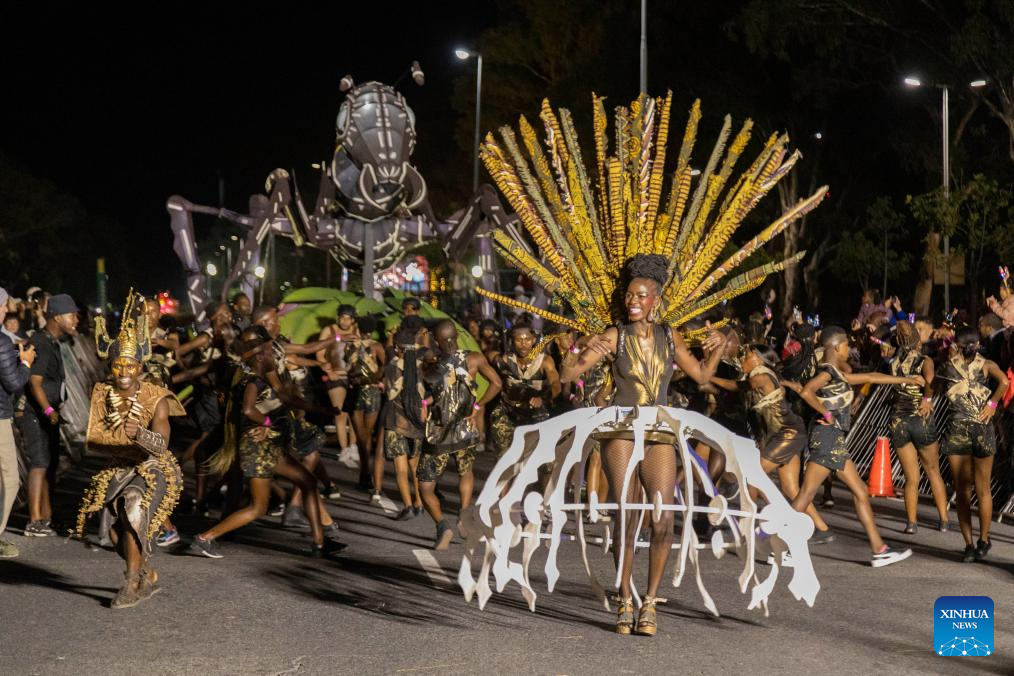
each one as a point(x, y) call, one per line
point(133, 340)
point(585, 237)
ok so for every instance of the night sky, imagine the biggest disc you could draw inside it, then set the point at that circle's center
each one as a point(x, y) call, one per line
point(121, 111)
point(124, 117)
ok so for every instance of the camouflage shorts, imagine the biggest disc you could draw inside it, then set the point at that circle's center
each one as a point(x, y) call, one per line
point(966, 437)
point(397, 445)
point(432, 465)
point(257, 459)
point(501, 429)
point(827, 447)
point(368, 399)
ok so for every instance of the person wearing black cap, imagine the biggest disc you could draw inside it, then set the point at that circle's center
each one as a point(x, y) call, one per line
point(47, 393)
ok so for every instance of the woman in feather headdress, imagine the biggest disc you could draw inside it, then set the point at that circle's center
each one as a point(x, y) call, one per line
point(643, 353)
point(633, 271)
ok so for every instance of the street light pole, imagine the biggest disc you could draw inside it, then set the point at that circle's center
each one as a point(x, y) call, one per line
point(913, 81)
point(478, 127)
point(486, 255)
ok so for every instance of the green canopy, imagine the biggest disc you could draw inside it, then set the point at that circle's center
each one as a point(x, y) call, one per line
point(369, 306)
point(304, 324)
point(317, 294)
point(319, 306)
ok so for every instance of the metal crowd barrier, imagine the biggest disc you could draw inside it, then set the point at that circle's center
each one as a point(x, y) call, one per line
point(872, 420)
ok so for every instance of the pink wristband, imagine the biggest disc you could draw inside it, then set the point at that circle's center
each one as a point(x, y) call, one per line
point(992, 404)
point(828, 416)
point(476, 407)
point(49, 410)
point(927, 399)
point(574, 349)
point(580, 383)
point(267, 421)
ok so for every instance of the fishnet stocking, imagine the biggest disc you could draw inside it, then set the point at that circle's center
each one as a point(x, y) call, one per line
point(656, 474)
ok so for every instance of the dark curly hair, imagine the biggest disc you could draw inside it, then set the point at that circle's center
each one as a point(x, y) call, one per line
point(648, 266)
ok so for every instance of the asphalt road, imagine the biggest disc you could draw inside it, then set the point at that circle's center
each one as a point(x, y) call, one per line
point(389, 605)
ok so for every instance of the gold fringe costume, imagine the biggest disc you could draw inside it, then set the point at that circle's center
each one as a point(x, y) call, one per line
point(149, 485)
point(141, 484)
point(587, 223)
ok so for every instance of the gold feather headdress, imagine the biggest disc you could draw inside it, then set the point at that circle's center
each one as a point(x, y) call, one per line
point(585, 237)
point(133, 340)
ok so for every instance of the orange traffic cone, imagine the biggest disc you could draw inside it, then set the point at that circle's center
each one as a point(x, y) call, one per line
point(881, 484)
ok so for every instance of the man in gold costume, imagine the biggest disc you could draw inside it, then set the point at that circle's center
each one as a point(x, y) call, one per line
point(129, 423)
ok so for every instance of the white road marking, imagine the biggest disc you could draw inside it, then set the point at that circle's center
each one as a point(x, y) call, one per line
point(435, 666)
point(432, 567)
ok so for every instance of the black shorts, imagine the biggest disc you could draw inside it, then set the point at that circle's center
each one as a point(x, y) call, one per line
point(34, 442)
point(966, 437)
point(336, 384)
point(207, 413)
point(368, 400)
point(912, 429)
point(306, 438)
point(827, 446)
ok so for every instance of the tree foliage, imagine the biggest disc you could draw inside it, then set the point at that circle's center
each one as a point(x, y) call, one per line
point(876, 253)
point(48, 239)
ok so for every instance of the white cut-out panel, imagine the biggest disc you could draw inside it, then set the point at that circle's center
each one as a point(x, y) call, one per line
point(562, 444)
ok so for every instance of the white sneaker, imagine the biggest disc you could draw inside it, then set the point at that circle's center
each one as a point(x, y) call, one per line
point(349, 456)
point(889, 556)
point(376, 497)
point(786, 560)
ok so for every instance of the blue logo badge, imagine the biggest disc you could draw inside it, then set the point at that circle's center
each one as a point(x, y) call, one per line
point(963, 626)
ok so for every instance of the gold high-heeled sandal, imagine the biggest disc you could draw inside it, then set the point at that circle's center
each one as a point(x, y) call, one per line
point(647, 622)
point(625, 616)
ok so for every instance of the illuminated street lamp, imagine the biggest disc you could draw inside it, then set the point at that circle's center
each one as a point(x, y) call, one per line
point(477, 271)
point(211, 269)
point(259, 272)
point(913, 81)
point(464, 55)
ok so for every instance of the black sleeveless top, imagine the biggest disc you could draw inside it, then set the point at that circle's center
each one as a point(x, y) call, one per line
point(520, 385)
point(643, 379)
point(907, 398)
